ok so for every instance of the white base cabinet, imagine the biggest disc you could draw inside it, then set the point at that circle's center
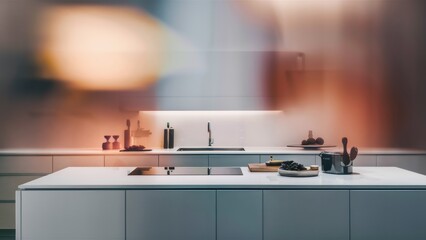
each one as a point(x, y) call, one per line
point(221, 214)
point(66, 215)
point(306, 214)
point(171, 214)
point(388, 215)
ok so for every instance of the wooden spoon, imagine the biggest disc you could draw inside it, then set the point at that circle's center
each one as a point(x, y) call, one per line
point(346, 159)
point(354, 153)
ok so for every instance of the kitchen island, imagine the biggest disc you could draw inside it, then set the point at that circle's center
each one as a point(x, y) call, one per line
point(106, 203)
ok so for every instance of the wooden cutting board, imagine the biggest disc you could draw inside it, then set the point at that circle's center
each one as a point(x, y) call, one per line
point(261, 167)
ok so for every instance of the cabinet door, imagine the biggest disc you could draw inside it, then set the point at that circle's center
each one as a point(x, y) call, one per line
point(415, 163)
point(61, 162)
point(25, 164)
point(131, 161)
point(239, 214)
point(303, 159)
point(183, 160)
point(306, 214)
point(9, 184)
point(390, 215)
point(94, 215)
point(7, 215)
point(232, 160)
point(170, 214)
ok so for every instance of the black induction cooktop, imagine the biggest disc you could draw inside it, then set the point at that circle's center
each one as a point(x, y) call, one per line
point(186, 171)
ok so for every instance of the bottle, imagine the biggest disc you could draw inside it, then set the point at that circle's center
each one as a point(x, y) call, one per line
point(127, 137)
point(166, 137)
point(169, 137)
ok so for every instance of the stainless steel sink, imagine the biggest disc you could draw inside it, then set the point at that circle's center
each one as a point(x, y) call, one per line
point(186, 171)
point(211, 149)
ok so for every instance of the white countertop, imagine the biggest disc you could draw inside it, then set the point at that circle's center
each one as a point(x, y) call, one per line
point(116, 178)
point(248, 150)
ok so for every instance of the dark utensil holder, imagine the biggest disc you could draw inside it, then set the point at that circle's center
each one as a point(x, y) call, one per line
point(333, 163)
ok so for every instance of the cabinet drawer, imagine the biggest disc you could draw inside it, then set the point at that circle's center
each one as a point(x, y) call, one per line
point(7, 215)
point(303, 159)
point(61, 162)
point(184, 160)
point(9, 184)
point(232, 160)
point(131, 161)
point(25, 164)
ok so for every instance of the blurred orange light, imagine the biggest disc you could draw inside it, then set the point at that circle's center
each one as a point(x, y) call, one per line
point(100, 47)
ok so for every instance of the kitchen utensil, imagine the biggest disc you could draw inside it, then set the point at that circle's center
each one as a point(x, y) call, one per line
point(127, 135)
point(354, 153)
point(138, 132)
point(345, 158)
point(274, 162)
point(262, 167)
point(332, 162)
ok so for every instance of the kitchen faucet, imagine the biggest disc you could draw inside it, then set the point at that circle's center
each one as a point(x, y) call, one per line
point(211, 140)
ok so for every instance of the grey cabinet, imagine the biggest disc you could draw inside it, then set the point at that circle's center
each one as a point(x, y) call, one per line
point(187, 160)
point(306, 214)
point(94, 215)
point(239, 214)
point(390, 215)
point(415, 163)
point(15, 170)
point(171, 214)
point(365, 161)
point(7, 215)
point(61, 162)
point(131, 161)
point(9, 184)
point(308, 159)
point(232, 160)
point(25, 164)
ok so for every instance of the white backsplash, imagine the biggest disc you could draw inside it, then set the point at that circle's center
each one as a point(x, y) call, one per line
point(229, 128)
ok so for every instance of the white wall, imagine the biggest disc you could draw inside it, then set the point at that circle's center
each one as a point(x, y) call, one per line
point(229, 128)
